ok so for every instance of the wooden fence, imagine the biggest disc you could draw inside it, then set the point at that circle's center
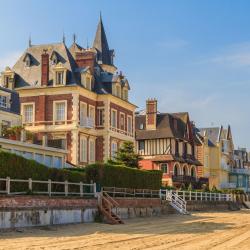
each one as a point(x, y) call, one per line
point(12, 187)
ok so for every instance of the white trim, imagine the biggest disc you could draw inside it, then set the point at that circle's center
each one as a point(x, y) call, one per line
point(23, 113)
point(94, 153)
point(85, 158)
point(54, 111)
point(111, 120)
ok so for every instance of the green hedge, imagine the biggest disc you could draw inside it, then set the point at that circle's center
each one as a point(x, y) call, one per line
point(120, 176)
point(17, 167)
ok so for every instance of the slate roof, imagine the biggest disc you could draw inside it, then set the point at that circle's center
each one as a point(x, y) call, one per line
point(212, 133)
point(165, 127)
point(31, 76)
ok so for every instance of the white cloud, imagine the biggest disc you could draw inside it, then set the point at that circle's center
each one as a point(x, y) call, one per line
point(236, 55)
point(9, 59)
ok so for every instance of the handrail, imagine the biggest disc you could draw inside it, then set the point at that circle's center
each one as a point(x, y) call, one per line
point(114, 202)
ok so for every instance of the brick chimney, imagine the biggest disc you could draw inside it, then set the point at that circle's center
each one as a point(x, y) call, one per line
point(151, 114)
point(45, 68)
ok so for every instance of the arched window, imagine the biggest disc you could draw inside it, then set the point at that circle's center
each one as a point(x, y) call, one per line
point(185, 170)
point(193, 172)
point(176, 170)
point(164, 168)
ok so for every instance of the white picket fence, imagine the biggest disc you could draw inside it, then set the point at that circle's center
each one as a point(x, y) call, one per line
point(84, 189)
point(199, 196)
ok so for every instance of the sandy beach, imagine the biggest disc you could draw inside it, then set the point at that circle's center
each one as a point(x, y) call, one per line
point(225, 230)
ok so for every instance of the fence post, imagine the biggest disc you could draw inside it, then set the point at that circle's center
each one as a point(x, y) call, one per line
point(183, 195)
point(66, 188)
point(30, 184)
point(219, 196)
point(95, 192)
point(201, 196)
point(49, 187)
point(8, 185)
point(81, 189)
point(190, 195)
point(196, 195)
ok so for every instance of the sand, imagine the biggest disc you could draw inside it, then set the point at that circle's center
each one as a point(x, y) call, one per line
point(225, 230)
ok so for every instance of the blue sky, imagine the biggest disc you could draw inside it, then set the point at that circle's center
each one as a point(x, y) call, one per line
point(191, 55)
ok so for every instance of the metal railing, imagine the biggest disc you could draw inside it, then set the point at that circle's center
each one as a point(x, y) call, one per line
point(87, 122)
point(176, 201)
point(200, 196)
point(49, 187)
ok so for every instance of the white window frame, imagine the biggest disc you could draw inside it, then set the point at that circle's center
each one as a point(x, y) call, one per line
point(86, 110)
point(100, 118)
point(113, 110)
point(57, 73)
point(23, 105)
point(129, 117)
point(83, 157)
point(124, 122)
point(92, 152)
point(92, 107)
point(3, 101)
point(55, 111)
point(113, 151)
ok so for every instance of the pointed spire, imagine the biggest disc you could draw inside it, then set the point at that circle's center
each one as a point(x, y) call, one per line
point(63, 39)
point(101, 44)
point(30, 41)
point(74, 38)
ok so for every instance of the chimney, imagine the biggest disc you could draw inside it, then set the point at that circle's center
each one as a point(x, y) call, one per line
point(45, 68)
point(151, 114)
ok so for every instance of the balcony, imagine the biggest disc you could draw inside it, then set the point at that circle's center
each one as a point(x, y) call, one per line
point(186, 180)
point(87, 122)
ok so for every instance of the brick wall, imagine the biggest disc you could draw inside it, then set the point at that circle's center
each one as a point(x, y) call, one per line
point(99, 149)
point(27, 202)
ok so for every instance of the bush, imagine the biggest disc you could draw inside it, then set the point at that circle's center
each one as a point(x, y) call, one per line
point(109, 175)
point(17, 167)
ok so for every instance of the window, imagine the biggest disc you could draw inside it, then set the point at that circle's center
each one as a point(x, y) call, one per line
point(122, 121)
point(59, 78)
point(164, 168)
point(3, 101)
point(60, 111)
point(91, 150)
point(83, 149)
point(118, 90)
point(113, 149)
point(6, 81)
point(100, 117)
point(27, 61)
point(130, 128)
point(83, 111)
point(57, 162)
point(92, 113)
point(39, 158)
point(125, 94)
point(141, 145)
point(4, 126)
point(88, 83)
point(48, 160)
point(29, 113)
point(141, 126)
point(113, 118)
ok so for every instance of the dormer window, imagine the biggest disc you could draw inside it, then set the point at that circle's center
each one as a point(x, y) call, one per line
point(59, 78)
point(27, 60)
point(8, 78)
point(54, 58)
point(118, 90)
point(125, 94)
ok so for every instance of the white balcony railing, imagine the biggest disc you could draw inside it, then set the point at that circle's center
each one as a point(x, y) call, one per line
point(87, 122)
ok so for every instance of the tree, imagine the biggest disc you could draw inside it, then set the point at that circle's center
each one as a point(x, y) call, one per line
point(126, 155)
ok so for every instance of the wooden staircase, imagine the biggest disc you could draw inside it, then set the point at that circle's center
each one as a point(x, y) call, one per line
point(106, 203)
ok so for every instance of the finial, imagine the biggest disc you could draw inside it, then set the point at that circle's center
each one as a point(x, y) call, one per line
point(74, 38)
point(87, 43)
point(64, 39)
point(30, 41)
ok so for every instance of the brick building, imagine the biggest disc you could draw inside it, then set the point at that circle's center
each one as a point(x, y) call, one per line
point(167, 142)
point(74, 98)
